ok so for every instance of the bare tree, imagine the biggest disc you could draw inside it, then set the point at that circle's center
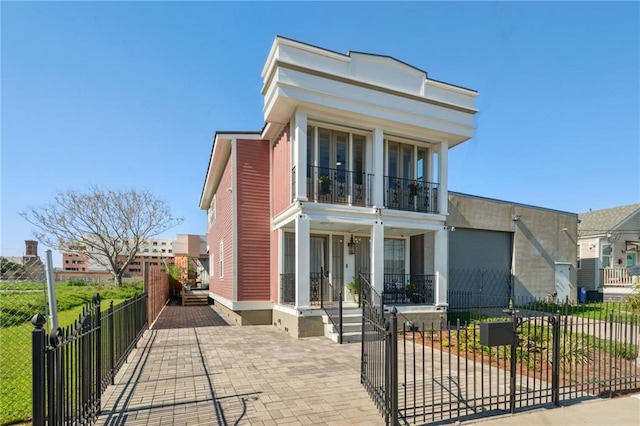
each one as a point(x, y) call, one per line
point(106, 225)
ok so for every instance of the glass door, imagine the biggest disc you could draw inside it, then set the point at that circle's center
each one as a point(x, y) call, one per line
point(318, 266)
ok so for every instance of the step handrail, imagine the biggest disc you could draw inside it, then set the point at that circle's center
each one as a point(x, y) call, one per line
point(337, 323)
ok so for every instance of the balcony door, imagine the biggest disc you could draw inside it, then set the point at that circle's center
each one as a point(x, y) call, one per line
point(336, 165)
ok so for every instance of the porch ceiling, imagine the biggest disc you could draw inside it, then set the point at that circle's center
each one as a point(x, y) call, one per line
point(355, 228)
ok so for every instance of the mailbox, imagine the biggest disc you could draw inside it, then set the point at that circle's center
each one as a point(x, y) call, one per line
point(496, 333)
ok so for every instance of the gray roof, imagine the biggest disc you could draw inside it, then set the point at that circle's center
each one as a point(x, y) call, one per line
point(600, 221)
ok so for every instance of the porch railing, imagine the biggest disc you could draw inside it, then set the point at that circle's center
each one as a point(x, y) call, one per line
point(616, 276)
point(405, 289)
point(410, 195)
point(336, 186)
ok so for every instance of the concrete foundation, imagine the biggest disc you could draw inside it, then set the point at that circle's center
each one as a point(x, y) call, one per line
point(259, 317)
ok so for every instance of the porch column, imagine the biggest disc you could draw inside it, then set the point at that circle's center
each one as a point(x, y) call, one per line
point(377, 256)
point(299, 155)
point(378, 168)
point(443, 173)
point(302, 260)
point(441, 266)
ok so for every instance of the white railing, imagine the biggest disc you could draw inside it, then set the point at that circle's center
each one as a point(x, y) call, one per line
point(616, 276)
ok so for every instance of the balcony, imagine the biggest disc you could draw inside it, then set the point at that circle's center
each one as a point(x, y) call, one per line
point(410, 195)
point(337, 186)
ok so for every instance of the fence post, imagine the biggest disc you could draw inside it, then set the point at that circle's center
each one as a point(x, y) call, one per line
point(392, 347)
point(97, 326)
point(38, 336)
point(112, 344)
point(340, 309)
point(555, 373)
point(512, 371)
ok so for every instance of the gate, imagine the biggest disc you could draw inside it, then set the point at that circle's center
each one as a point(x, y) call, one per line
point(532, 353)
point(378, 370)
point(553, 353)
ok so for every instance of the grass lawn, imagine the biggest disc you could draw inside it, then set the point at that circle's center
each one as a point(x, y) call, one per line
point(15, 336)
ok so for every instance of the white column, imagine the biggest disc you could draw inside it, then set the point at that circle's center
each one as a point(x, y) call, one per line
point(377, 256)
point(378, 168)
point(302, 260)
point(441, 266)
point(300, 154)
point(443, 173)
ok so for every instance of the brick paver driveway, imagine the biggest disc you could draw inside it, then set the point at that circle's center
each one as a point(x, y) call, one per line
point(192, 368)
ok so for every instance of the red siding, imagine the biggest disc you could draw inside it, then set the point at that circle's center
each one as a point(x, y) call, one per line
point(254, 221)
point(281, 172)
point(222, 230)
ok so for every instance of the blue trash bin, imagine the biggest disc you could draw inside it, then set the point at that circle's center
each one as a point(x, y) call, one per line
point(582, 294)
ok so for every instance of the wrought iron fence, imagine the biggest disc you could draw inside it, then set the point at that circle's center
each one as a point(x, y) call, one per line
point(378, 369)
point(410, 195)
point(331, 302)
point(494, 360)
point(73, 365)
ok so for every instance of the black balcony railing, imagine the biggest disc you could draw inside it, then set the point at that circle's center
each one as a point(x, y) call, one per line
point(410, 195)
point(336, 186)
point(408, 289)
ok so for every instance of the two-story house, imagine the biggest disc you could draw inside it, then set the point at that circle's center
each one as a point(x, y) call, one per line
point(348, 175)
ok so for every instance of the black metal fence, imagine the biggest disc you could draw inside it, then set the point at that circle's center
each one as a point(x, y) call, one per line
point(378, 370)
point(410, 195)
point(73, 365)
point(496, 360)
point(288, 289)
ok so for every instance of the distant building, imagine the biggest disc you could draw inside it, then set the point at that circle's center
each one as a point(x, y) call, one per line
point(153, 252)
point(28, 267)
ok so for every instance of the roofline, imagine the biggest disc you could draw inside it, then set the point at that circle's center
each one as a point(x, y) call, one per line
point(348, 55)
point(228, 134)
point(513, 203)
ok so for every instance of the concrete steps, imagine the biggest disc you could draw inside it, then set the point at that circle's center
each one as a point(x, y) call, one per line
point(351, 326)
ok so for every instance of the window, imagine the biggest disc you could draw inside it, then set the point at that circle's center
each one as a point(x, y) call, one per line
point(578, 254)
point(605, 259)
point(394, 256)
point(221, 259)
point(212, 259)
point(212, 211)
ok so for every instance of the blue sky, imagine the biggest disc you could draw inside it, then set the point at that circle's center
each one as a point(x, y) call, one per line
point(130, 94)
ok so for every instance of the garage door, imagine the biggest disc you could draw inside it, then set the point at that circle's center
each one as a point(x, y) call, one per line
point(479, 267)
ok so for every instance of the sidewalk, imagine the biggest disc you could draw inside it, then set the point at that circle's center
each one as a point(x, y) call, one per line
point(621, 411)
point(192, 368)
point(187, 371)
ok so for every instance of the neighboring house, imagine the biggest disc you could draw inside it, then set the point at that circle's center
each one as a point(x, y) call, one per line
point(191, 254)
point(608, 244)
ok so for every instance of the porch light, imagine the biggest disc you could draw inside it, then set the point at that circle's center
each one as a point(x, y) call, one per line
point(352, 246)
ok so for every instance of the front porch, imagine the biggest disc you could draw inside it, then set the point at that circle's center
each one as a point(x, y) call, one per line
point(616, 277)
point(399, 289)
